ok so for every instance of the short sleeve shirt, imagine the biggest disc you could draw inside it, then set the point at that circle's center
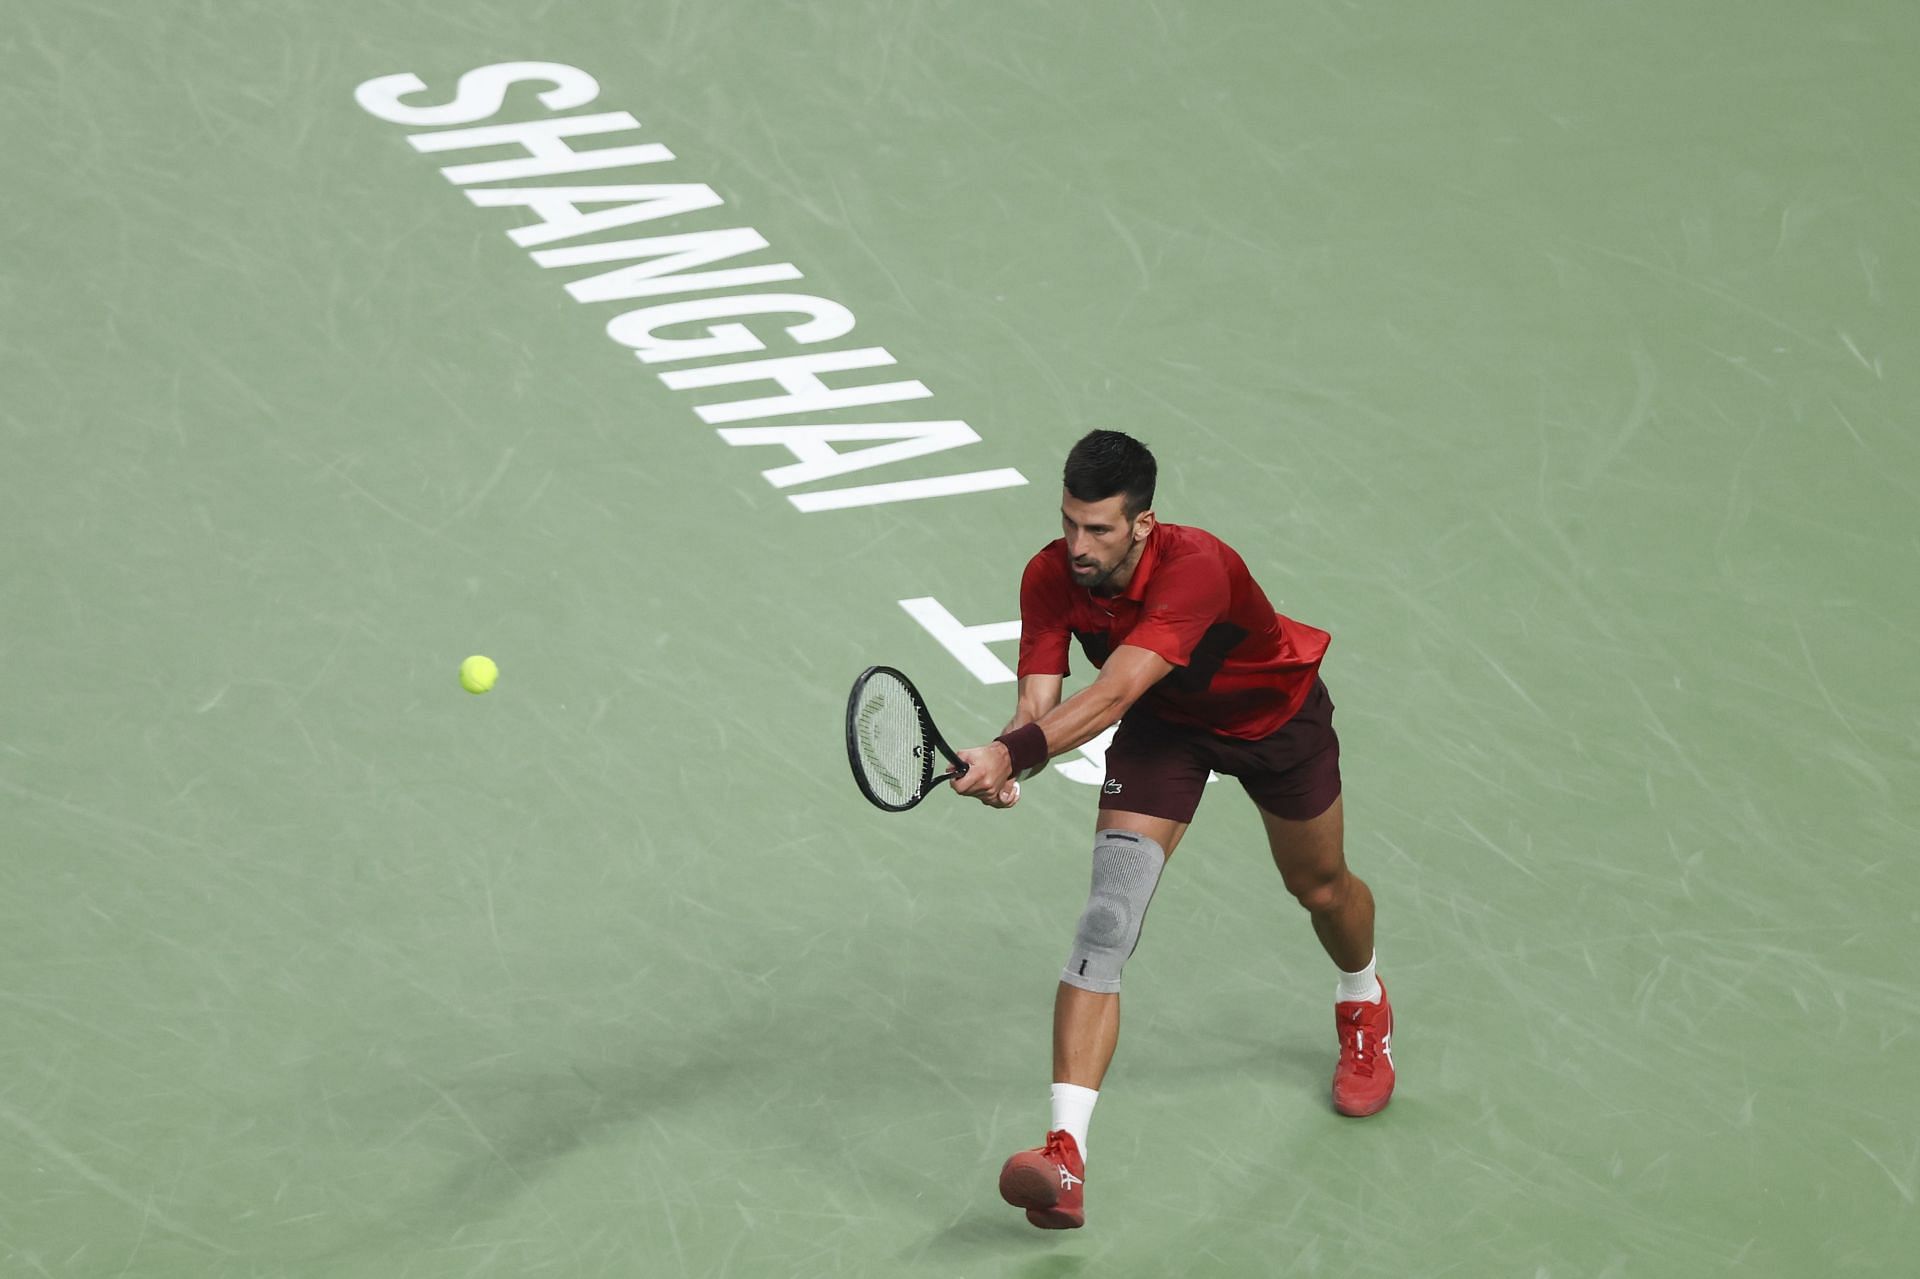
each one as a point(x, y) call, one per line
point(1240, 669)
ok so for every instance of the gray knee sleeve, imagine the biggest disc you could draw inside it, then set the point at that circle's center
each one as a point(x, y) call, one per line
point(1126, 869)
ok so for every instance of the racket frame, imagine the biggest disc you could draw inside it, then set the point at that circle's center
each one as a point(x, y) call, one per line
point(927, 780)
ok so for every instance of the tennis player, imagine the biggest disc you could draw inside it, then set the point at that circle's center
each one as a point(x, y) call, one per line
point(1201, 674)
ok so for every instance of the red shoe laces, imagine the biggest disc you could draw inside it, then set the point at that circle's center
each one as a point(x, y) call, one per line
point(1358, 1046)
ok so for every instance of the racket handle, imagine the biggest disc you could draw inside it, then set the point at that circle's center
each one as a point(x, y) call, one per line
point(962, 768)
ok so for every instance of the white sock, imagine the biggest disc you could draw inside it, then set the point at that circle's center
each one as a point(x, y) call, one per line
point(1362, 986)
point(1073, 1110)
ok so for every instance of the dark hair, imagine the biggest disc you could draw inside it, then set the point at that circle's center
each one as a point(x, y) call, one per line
point(1107, 462)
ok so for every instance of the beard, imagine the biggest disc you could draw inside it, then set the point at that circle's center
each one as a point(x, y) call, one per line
point(1093, 576)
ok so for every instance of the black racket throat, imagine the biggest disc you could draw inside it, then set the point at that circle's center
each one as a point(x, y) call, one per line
point(892, 743)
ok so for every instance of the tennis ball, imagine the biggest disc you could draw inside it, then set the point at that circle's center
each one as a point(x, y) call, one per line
point(477, 674)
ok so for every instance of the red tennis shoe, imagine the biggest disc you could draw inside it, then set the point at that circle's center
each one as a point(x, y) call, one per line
point(1363, 1081)
point(1048, 1182)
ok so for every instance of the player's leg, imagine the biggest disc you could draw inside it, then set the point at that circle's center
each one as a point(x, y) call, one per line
point(1311, 858)
point(1086, 1022)
point(1293, 778)
point(1296, 786)
point(1154, 783)
point(1313, 865)
point(1129, 852)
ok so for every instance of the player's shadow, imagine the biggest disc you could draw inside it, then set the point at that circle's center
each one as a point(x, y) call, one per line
point(1294, 1065)
point(1001, 1234)
point(521, 1122)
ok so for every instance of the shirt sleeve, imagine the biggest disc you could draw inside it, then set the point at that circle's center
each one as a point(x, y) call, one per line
point(1185, 597)
point(1043, 620)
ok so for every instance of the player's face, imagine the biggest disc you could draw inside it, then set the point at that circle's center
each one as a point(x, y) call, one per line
point(1101, 541)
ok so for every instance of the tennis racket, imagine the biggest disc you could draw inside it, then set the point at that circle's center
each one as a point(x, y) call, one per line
point(891, 741)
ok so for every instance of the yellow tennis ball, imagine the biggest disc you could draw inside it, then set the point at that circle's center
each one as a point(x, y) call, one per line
point(477, 674)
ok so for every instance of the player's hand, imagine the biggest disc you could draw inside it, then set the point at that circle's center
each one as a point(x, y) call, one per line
point(989, 776)
point(1006, 797)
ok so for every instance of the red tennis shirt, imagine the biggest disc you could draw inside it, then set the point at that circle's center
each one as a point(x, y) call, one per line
point(1240, 669)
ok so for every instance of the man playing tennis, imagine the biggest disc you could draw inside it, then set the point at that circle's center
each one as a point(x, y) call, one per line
point(1201, 674)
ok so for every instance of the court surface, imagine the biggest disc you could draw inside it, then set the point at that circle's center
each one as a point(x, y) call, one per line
point(1560, 361)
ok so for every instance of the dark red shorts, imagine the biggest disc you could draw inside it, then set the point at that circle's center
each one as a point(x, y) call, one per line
point(1160, 769)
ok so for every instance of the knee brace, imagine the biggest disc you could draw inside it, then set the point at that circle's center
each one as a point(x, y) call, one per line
point(1126, 869)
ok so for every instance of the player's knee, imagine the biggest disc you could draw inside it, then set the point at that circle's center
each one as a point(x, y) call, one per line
point(1126, 870)
point(1319, 894)
point(1106, 922)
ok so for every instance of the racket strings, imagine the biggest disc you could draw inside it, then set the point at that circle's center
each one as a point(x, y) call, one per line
point(890, 732)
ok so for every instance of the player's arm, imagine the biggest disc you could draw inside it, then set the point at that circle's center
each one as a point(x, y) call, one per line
point(1125, 678)
point(1038, 695)
point(1043, 654)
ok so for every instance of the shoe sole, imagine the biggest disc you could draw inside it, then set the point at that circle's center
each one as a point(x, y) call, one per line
point(1033, 1190)
point(1362, 1114)
point(1054, 1220)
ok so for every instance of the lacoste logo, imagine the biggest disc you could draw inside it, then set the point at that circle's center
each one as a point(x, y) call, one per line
point(1112, 787)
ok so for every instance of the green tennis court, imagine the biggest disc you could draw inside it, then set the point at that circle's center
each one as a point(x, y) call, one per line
point(1559, 361)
